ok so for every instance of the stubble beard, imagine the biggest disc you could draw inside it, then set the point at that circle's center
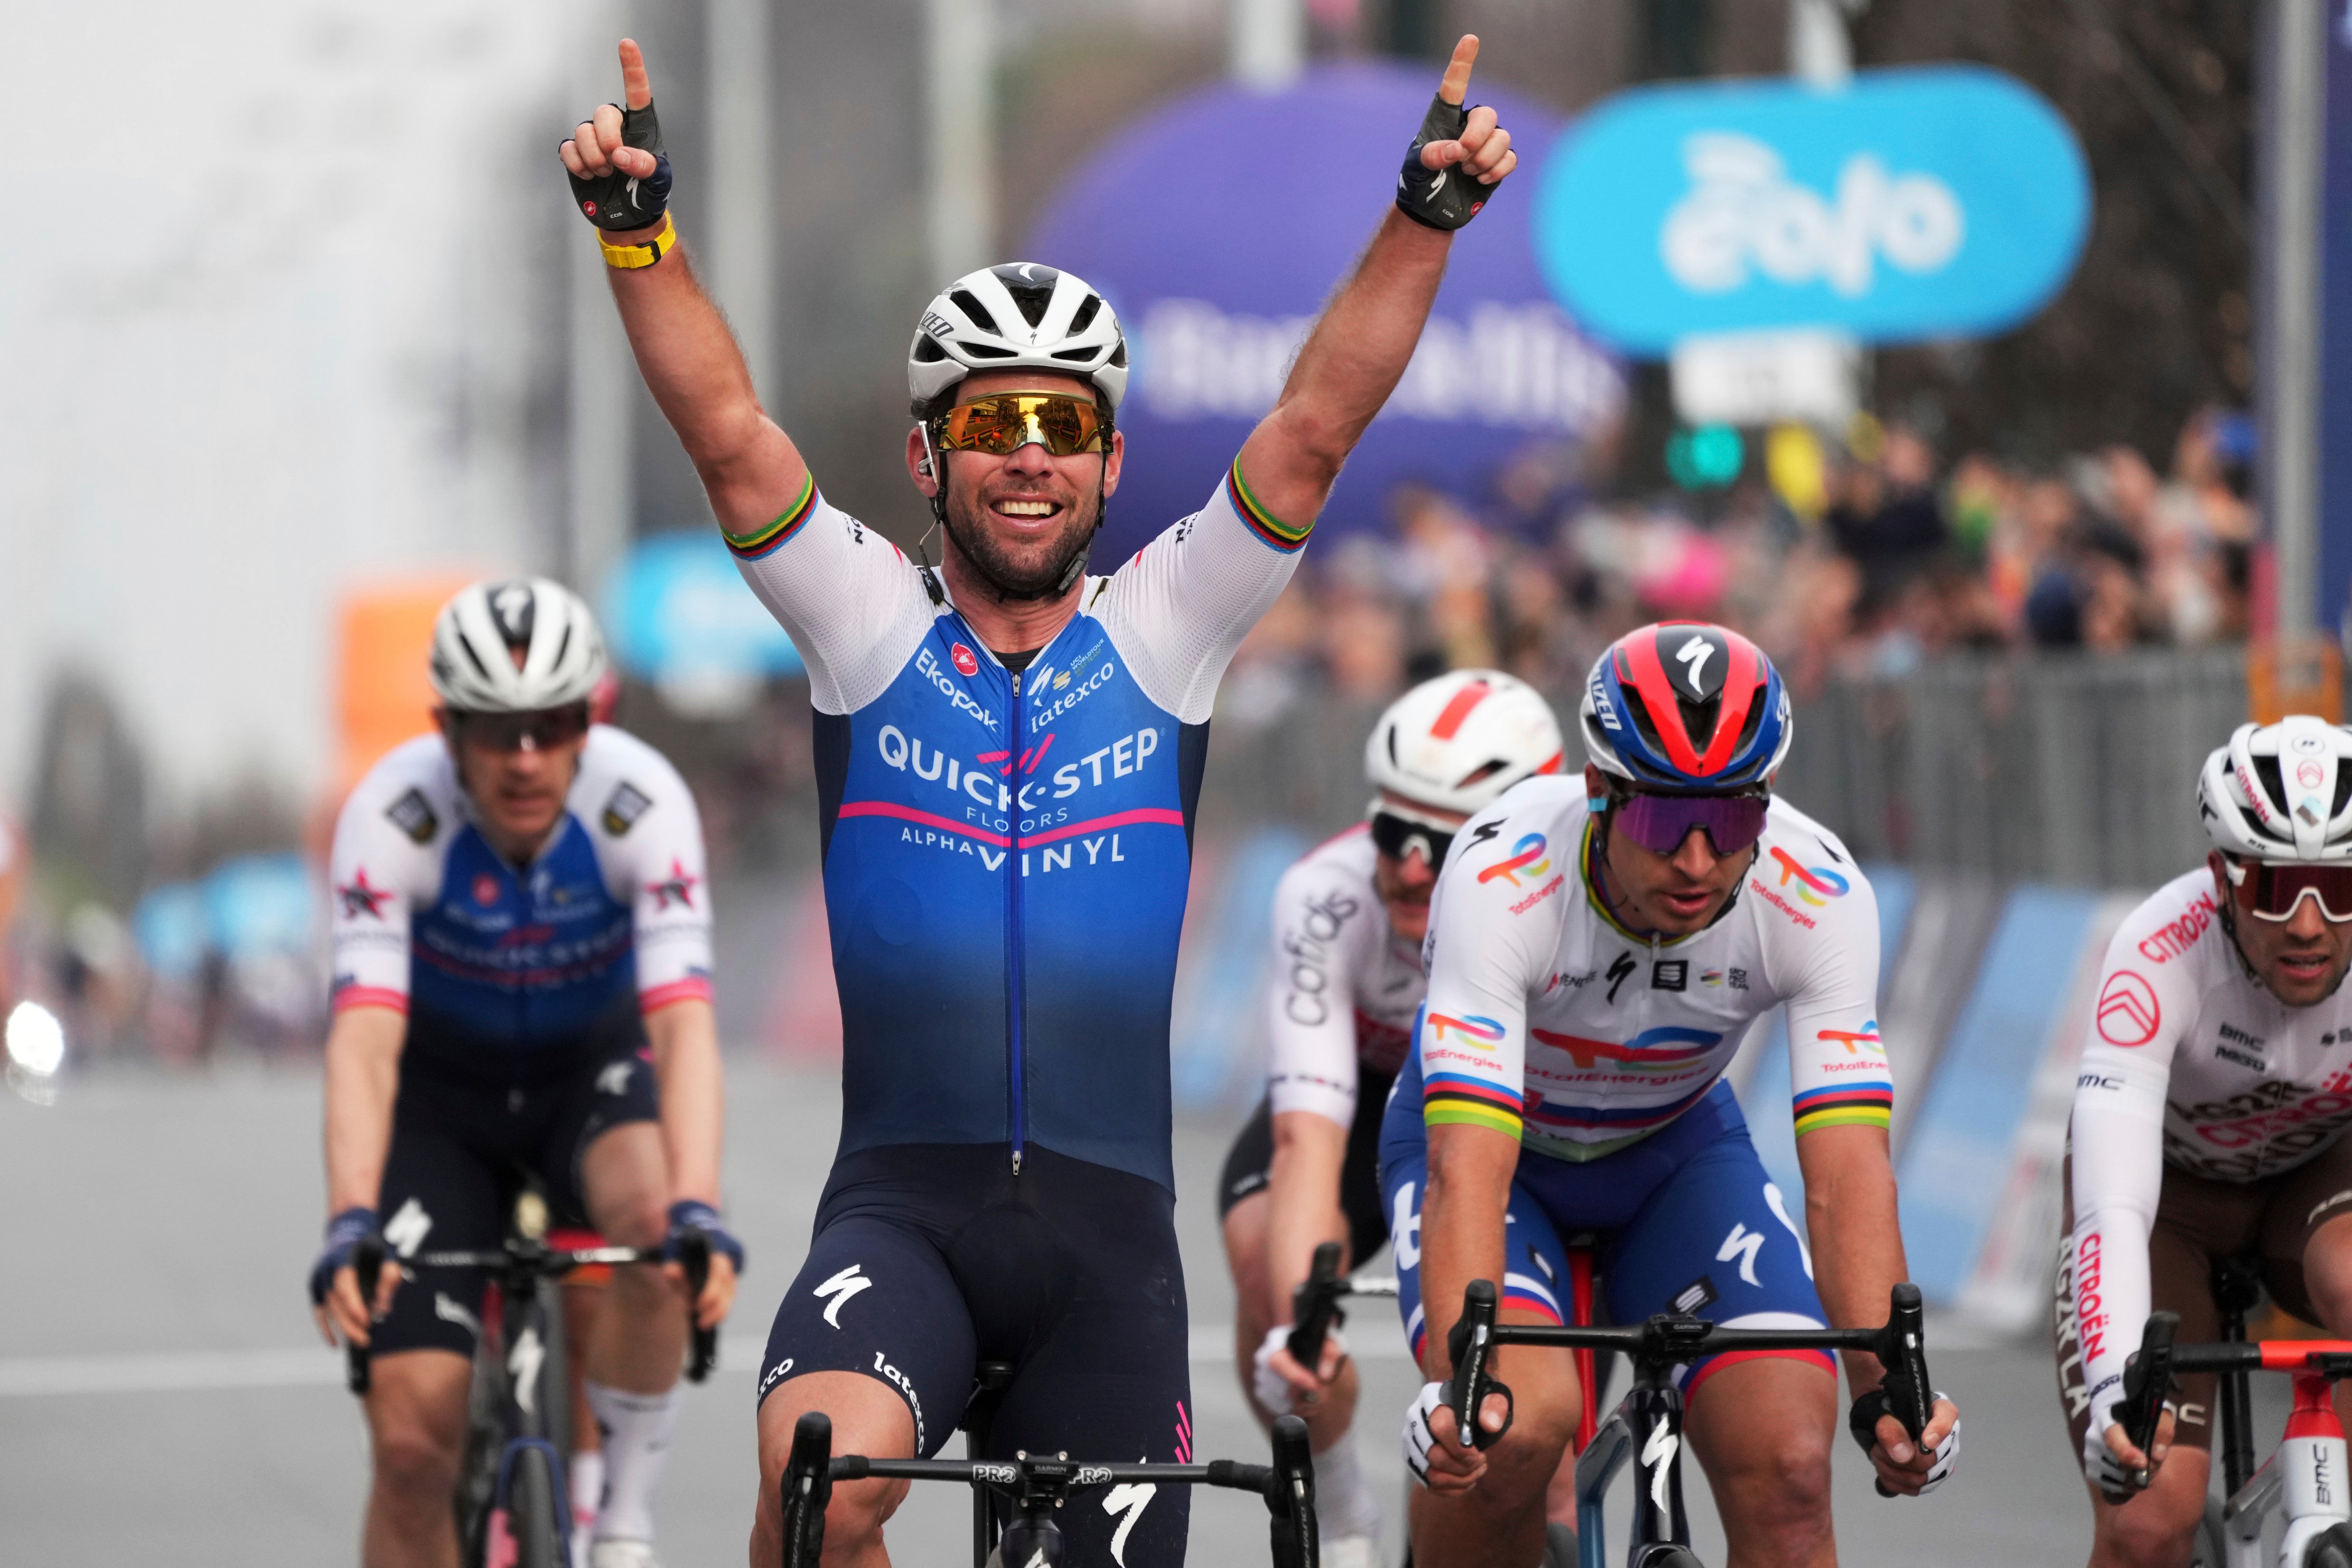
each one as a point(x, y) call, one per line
point(1014, 579)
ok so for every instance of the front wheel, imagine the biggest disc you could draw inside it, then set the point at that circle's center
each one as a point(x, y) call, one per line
point(541, 1536)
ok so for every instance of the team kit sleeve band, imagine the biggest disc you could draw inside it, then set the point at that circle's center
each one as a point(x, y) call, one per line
point(770, 538)
point(629, 258)
point(1262, 522)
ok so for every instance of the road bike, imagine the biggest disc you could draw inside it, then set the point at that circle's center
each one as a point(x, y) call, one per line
point(1014, 1501)
point(2304, 1482)
point(1646, 1426)
point(511, 1502)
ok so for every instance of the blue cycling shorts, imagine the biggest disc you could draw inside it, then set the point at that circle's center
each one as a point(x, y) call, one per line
point(1686, 1221)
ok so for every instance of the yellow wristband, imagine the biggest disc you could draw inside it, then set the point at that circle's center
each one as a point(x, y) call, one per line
point(629, 258)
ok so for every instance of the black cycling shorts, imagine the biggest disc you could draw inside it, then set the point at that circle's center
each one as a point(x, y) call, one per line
point(930, 1258)
point(1249, 1165)
point(465, 1129)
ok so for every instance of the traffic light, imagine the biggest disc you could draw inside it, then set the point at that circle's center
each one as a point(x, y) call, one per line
point(1706, 457)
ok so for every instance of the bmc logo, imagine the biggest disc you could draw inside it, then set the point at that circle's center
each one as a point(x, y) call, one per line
point(965, 663)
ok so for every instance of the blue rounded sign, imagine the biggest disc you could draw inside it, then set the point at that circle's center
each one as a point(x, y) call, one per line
point(1940, 202)
point(675, 608)
point(1217, 227)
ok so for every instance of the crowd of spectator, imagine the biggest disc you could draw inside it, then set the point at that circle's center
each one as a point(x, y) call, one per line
point(1864, 558)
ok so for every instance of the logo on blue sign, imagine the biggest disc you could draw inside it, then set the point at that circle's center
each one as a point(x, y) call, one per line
point(1944, 202)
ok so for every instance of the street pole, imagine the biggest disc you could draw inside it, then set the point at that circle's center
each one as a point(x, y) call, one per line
point(2293, 163)
point(742, 213)
point(1266, 42)
point(960, 83)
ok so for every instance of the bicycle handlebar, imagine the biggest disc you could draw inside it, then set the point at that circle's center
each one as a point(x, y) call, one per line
point(2150, 1371)
point(1287, 1486)
point(1666, 1340)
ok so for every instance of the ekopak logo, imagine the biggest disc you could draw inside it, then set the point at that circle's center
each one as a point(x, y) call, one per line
point(1483, 1033)
point(1816, 885)
point(1526, 859)
point(1936, 202)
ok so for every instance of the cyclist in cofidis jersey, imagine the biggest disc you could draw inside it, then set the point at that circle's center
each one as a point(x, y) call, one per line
point(1598, 946)
point(521, 934)
point(1349, 918)
point(1008, 751)
point(2210, 1102)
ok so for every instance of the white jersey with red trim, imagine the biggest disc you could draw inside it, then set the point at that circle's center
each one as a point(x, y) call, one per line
point(2189, 1062)
point(1548, 1020)
point(429, 921)
point(1346, 986)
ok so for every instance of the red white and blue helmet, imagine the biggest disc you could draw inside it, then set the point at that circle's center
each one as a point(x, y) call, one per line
point(1684, 705)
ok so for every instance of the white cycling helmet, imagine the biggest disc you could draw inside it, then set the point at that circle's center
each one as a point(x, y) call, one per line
point(2281, 791)
point(480, 631)
point(1458, 741)
point(1021, 316)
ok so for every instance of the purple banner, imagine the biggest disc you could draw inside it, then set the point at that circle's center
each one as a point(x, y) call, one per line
point(1218, 226)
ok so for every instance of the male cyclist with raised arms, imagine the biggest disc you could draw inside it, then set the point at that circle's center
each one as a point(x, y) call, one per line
point(522, 980)
point(1009, 750)
point(1348, 920)
point(2210, 1106)
point(1598, 946)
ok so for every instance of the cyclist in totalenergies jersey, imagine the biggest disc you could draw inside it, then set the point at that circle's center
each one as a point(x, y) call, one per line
point(1597, 948)
point(1349, 919)
point(1008, 751)
point(522, 981)
point(2210, 1106)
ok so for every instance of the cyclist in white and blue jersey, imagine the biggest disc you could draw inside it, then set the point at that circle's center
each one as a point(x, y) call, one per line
point(522, 984)
point(1009, 750)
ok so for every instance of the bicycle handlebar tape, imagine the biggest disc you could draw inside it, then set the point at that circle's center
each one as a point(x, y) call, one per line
point(693, 1257)
point(1315, 1308)
point(1290, 1493)
point(617, 201)
point(807, 1488)
point(1439, 198)
point(1469, 1344)
point(367, 1263)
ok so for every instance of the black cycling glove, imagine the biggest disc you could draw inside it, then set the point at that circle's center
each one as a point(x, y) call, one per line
point(1437, 198)
point(344, 1234)
point(618, 201)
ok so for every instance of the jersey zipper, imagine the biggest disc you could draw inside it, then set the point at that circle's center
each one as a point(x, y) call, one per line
point(1014, 999)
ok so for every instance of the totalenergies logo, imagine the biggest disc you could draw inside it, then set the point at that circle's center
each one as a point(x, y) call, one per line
point(1866, 1040)
point(1527, 858)
point(1480, 1032)
point(1815, 885)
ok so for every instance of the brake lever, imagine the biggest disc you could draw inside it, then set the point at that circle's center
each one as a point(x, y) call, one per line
point(2147, 1381)
point(1315, 1308)
point(694, 1256)
point(1470, 1345)
point(367, 1263)
point(1903, 1352)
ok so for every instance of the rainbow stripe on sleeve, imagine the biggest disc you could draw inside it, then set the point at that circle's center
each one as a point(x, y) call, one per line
point(764, 541)
point(1262, 522)
point(1845, 1105)
point(1467, 1102)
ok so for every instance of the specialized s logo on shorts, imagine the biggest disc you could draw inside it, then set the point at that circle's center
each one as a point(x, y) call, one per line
point(840, 1288)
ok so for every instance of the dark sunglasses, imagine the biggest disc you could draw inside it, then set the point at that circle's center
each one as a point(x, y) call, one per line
point(540, 731)
point(1398, 836)
point(1004, 422)
point(2272, 892)
point(1659, 823)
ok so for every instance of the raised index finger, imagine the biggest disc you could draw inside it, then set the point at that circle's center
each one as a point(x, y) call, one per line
point(637, 89)
point(1455, 87)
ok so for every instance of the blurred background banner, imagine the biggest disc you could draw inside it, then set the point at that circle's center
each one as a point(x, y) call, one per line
point(1941, 201)
point(678, 615)
point(1218, 227)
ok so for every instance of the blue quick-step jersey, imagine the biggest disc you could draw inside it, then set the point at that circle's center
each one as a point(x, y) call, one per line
point(1006, 854)
point(428, 920)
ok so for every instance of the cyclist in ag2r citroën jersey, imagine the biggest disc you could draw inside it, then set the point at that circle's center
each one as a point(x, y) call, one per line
point(1009, 749)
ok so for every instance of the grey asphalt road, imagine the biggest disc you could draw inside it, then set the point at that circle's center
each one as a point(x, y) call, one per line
point(162, 1398)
